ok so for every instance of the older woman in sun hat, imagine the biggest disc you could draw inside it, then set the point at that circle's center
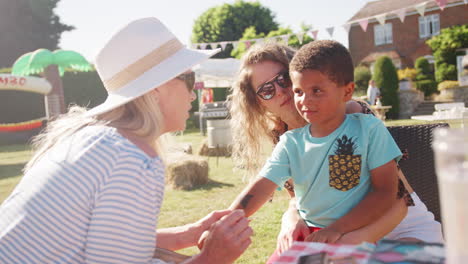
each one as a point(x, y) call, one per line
point(93, 189)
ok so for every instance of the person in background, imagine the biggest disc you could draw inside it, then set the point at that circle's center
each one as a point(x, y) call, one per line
point(93, 190)
point(372, 92)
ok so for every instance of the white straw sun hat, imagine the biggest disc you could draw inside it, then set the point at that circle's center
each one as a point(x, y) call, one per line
point(140, 57)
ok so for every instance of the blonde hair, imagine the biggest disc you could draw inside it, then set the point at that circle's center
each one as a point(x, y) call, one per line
point(251, 124)
point(142, 116)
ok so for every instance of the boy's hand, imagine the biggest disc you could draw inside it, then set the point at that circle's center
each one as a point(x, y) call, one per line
point(325, 235)
point(291, 231)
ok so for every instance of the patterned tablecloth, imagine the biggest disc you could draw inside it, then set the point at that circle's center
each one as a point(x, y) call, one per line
point(359, 253)
point(386, 251)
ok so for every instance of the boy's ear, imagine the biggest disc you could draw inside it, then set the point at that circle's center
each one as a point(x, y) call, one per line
point(349, 90)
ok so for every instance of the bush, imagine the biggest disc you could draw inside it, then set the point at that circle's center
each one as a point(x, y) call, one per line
point(444, 48)
point(446, 72)
point(447, 84)
point(385, 77)
point(407, 74)
point(428, 87)
point(362, 75)
point(423, 69)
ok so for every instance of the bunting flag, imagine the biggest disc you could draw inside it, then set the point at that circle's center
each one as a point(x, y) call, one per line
point(441, 4)
point(347, 27)
point(314, 34)
point(401, 14)
point(330, 31)
point(247, 43)
point(421, 8)
point(364, 24)
point(300, 36)
point(381, 18)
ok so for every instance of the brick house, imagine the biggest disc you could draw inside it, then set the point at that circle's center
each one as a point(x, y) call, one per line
point(402, 42)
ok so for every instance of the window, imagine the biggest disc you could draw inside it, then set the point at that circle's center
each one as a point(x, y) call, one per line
point(429, 26)
point(383, 34)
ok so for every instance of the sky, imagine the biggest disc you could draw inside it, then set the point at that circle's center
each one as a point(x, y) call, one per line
point(96, 20)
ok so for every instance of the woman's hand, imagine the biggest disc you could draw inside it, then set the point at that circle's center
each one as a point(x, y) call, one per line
point(227, 239)
point(292, 228)
point(205, 223)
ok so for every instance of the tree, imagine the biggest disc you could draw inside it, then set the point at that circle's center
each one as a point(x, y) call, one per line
point(228, 22)
point(386, 78)
point(444, 47)
point(424, 69)
point(424, 78)
point(293, 40)
point(26, 25)
point(362, 75)
point(251, 33)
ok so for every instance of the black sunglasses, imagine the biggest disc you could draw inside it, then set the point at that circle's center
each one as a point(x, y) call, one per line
point(267, 90)
point(188, 78)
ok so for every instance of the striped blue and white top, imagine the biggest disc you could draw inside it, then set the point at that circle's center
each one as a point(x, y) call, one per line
point(93, 198)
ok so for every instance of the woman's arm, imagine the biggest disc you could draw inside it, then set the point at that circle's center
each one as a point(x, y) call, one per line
point(175, 238)
point(227, 239)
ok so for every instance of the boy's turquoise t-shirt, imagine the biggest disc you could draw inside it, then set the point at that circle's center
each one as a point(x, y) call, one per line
point(331, 174)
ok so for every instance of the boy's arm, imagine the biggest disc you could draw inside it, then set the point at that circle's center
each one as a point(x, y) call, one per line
point(254, 196)
point(378, 201)
point(377, 230)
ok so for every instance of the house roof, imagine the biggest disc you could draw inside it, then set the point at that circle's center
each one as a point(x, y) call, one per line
point(378, 7)
point(392, 54)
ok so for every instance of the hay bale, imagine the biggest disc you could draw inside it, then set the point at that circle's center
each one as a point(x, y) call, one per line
point(181, 147)
point(187, 148)
point(214, 152)
point(184, 171)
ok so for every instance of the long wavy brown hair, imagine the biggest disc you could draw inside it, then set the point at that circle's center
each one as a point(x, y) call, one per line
point(252, 126)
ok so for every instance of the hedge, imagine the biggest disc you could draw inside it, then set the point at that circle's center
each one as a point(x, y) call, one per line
point(362, 75)
point(428, 87)
point(386, 79)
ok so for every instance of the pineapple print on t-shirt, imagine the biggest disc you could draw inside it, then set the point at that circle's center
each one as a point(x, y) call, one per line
point(344, 167)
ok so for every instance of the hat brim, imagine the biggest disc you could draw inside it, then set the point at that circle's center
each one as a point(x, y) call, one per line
point(165, 71)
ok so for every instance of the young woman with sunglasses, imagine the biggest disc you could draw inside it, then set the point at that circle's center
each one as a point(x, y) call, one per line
point(263, 108)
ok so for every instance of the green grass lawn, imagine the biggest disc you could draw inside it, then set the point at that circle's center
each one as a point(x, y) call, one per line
point(182, 207)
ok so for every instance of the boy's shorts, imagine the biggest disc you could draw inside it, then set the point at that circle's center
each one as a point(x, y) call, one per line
point(419, 223)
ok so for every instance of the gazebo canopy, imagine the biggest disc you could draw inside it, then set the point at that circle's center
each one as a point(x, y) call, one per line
point(217, 73)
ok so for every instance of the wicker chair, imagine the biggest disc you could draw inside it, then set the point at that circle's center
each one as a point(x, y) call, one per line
point(419, 168)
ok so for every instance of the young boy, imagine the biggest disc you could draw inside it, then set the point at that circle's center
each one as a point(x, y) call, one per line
point(343, 166)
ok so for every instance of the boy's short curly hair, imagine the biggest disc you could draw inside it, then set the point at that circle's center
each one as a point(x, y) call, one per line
point(326, 56)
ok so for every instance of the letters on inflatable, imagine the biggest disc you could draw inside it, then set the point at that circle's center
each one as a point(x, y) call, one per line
point(28, 84)
point(24, 83)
